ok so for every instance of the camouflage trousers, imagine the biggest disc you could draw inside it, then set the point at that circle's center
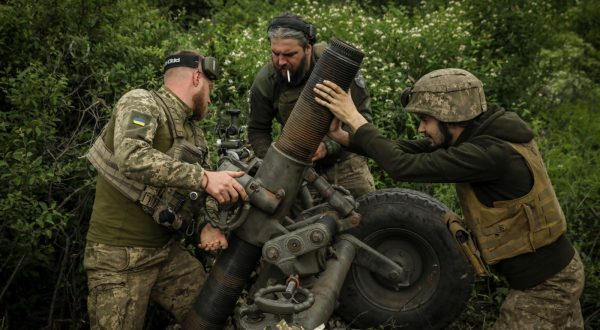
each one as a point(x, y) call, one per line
point(553, 304)
point(351, 173)
point(122, 280)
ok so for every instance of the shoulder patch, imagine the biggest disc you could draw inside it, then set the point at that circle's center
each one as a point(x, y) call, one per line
point(139, 121)
point(359, 81)
point(138, 124)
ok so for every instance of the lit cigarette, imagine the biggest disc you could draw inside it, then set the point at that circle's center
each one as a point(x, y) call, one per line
point(288, 74)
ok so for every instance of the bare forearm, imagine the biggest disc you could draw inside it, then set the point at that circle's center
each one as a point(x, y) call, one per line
point(354, 120)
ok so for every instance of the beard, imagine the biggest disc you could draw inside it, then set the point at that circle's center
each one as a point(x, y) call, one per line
point(200, 106)
point(447, 136)
point(297, 76)
point(440, 138)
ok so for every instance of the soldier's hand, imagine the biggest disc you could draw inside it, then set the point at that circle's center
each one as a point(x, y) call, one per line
point(223, 187)
point(339, 103)
point(337, 134)
point(212, 239)
point(320, 153)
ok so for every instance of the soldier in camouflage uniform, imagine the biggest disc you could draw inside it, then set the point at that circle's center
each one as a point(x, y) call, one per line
point(505, 193)
point(150, 160)
point(276, 90)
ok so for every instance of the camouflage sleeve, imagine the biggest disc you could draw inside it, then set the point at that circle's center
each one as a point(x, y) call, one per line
point(260, 122)
point(137, 119)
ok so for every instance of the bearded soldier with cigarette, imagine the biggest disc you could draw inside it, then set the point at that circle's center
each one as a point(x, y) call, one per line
point(277, 87)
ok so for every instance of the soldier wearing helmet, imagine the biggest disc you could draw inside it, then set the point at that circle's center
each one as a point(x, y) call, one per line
point(506, 196)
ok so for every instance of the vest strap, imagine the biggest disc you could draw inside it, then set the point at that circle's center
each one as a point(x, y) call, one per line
point(102, 159)
point(175, 125)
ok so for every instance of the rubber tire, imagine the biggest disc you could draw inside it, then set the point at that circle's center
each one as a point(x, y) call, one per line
point(406, 225)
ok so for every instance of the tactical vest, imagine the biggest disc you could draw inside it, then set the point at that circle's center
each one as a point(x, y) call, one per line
point(518, 226)
point(175, 209)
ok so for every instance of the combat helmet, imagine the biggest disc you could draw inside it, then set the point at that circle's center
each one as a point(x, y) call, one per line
point(449, 95)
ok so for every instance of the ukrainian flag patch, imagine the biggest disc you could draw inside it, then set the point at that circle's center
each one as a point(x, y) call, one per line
point(139, 121)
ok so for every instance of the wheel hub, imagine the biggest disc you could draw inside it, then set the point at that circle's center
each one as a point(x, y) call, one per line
point(418, 259)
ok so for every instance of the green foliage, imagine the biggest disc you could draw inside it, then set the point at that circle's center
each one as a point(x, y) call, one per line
point(568, 71)
point(586, 21)
point(501, 28)
point(571, 141)
point(66, 62)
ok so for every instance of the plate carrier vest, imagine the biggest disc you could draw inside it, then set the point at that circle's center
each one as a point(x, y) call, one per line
point(514, 227)
point(175, 209)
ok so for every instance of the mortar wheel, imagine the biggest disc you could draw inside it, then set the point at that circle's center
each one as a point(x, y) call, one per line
point(407, 227)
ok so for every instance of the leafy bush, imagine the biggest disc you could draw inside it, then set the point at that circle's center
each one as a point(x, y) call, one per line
point(570, 144)
point(66, 63)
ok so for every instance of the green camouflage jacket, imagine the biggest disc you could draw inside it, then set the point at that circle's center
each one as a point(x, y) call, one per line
point(140, 138)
